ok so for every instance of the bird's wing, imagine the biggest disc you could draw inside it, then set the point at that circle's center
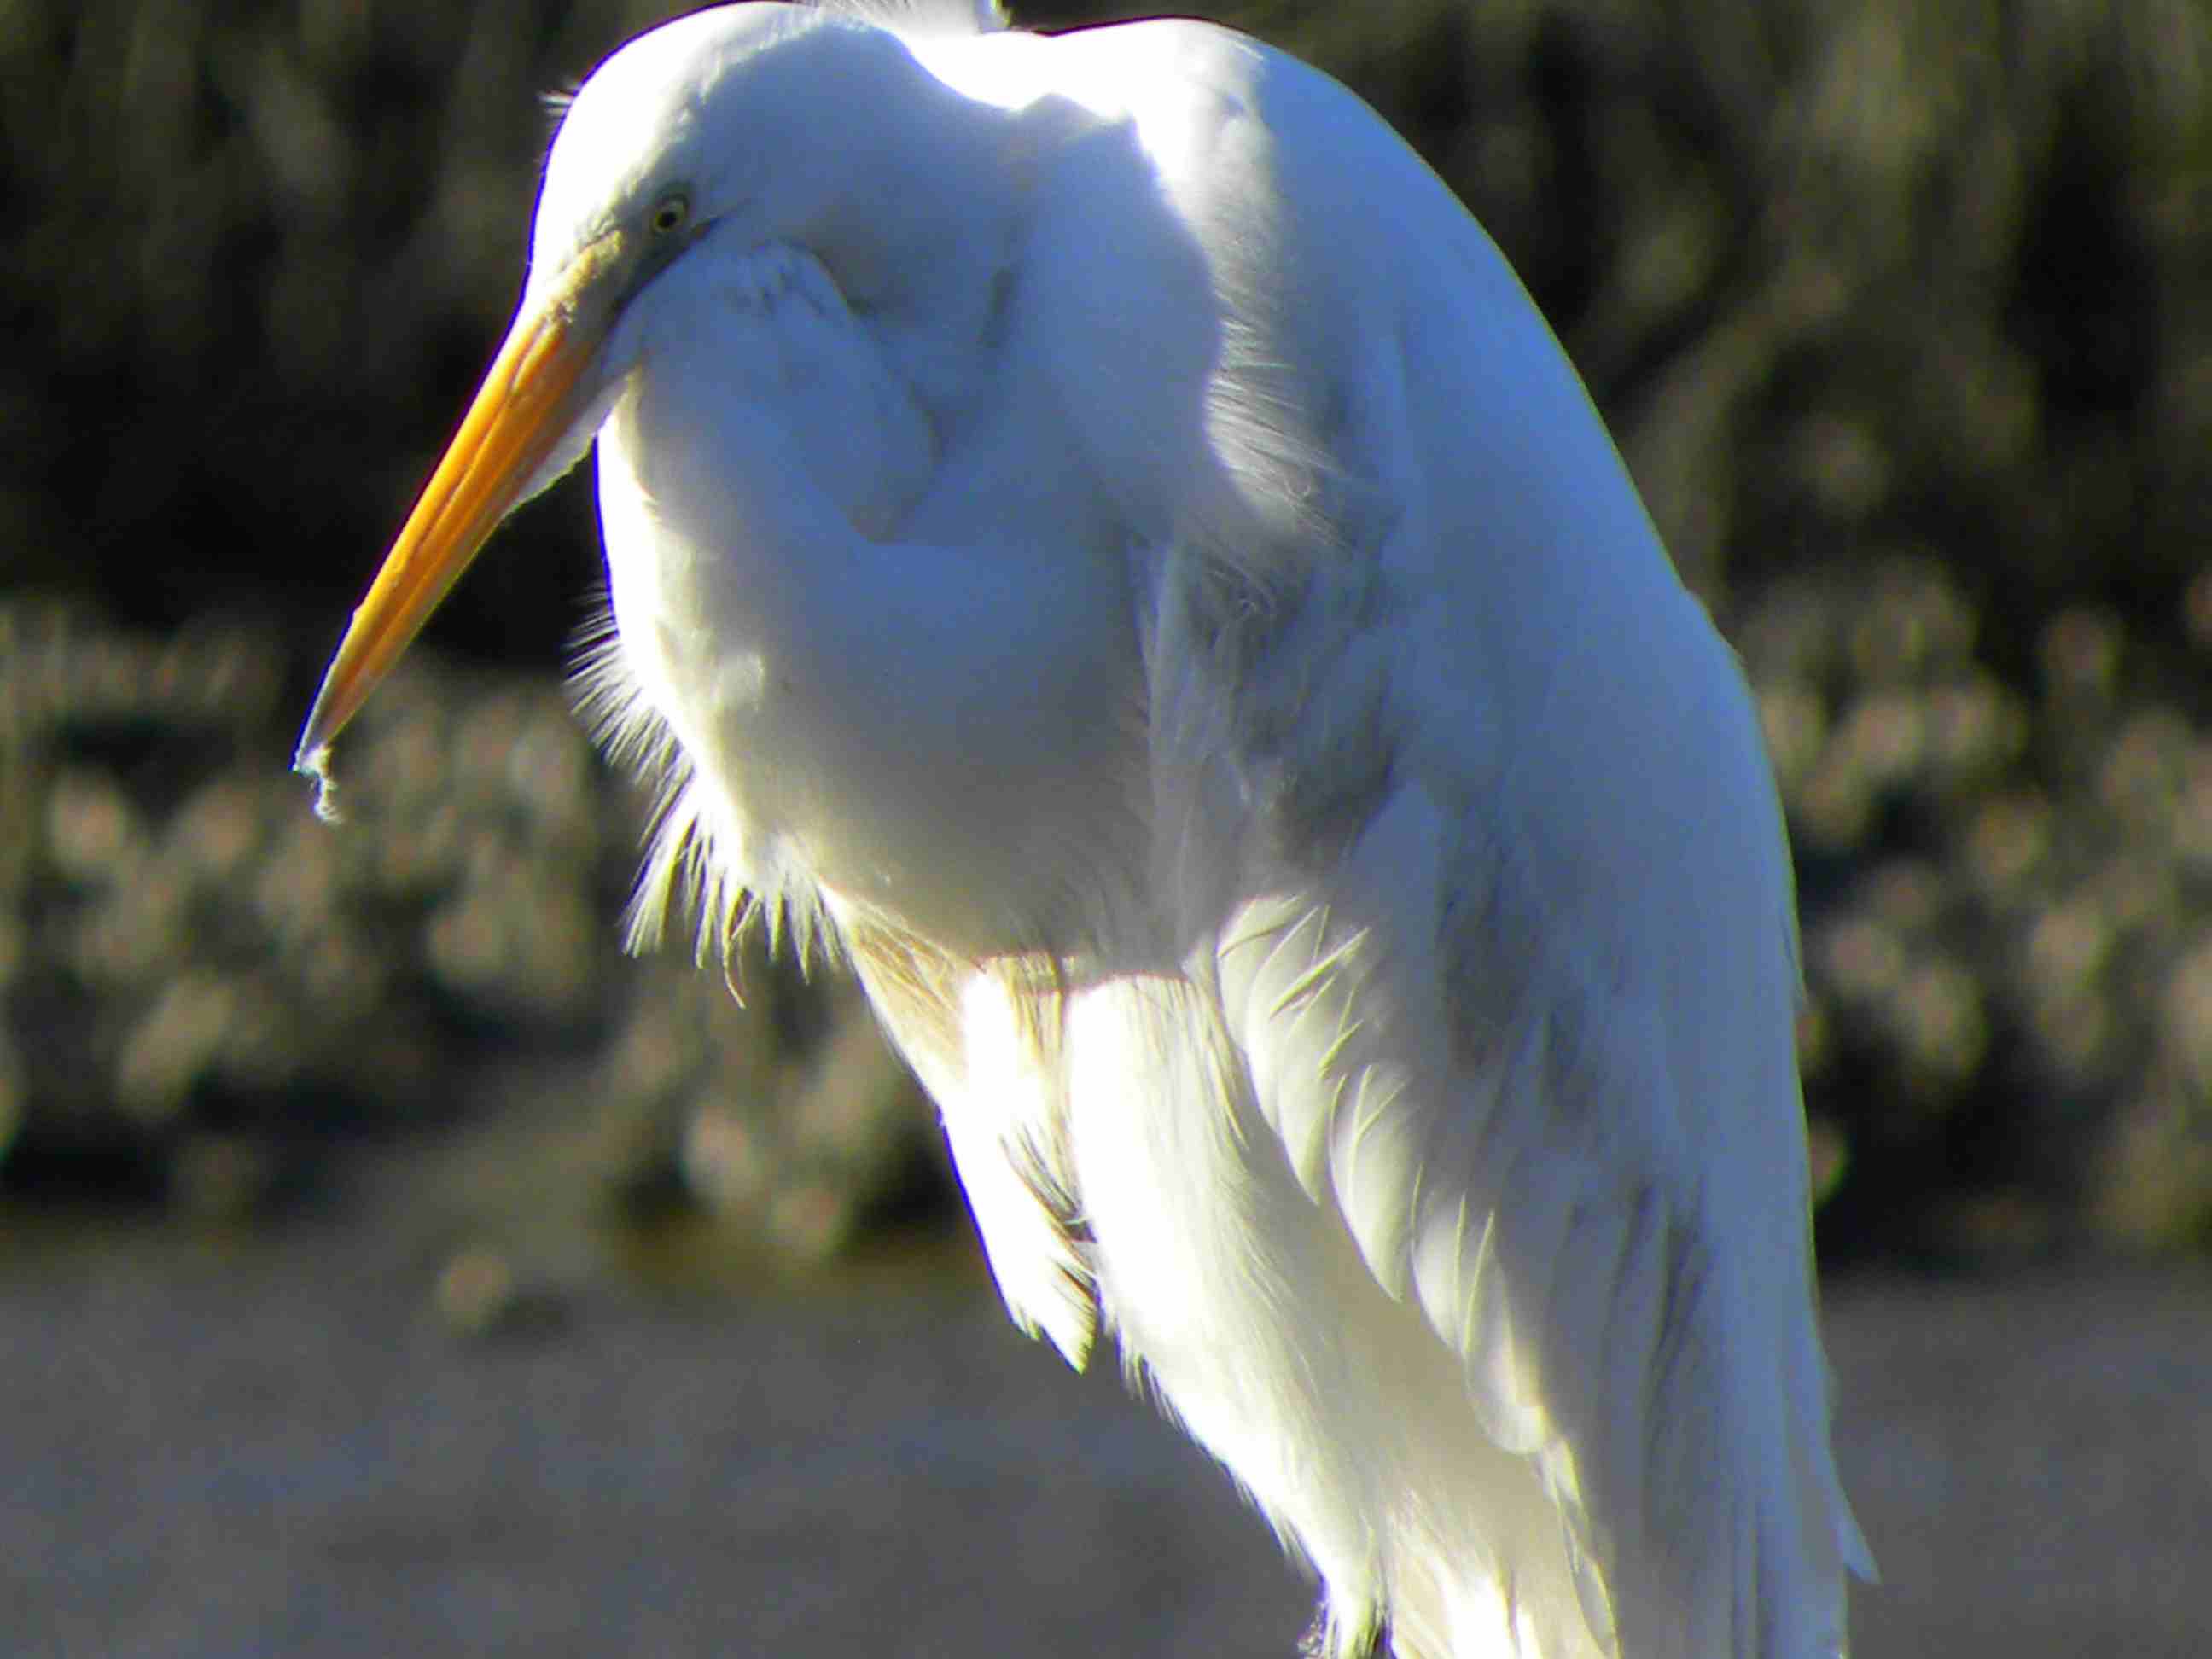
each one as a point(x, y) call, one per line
point(1476, 799)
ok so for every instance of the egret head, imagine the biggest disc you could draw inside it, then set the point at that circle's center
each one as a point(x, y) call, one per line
point(762, 123)
point(724, 118)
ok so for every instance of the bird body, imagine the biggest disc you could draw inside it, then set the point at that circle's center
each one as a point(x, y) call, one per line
point(1098, 533)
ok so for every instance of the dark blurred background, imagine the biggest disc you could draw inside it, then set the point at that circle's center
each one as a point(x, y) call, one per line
point(1901, 313)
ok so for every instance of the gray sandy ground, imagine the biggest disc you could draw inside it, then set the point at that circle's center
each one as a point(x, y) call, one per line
point(283, 1452)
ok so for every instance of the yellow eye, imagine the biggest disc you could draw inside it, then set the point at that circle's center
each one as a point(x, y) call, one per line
point(670, 213)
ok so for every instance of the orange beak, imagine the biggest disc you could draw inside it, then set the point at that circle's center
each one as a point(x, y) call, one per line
point(521, 410)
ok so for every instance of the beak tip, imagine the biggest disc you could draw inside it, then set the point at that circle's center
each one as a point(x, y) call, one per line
point(315, 762)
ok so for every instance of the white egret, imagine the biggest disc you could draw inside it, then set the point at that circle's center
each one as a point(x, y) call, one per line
point(1098, 533)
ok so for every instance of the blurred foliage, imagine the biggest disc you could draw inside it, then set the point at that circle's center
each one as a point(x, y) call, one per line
point(205, 991)
point(1902, 314)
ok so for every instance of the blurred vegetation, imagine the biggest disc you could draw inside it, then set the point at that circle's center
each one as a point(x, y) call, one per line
point(1901, 312)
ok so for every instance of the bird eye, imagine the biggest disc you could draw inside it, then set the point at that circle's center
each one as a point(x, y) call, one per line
point(669, 212)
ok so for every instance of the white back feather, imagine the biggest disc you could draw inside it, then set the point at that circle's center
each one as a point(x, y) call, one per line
point(1542, 1068)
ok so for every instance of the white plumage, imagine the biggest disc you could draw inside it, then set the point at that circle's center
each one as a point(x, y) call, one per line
point(1098, 532)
